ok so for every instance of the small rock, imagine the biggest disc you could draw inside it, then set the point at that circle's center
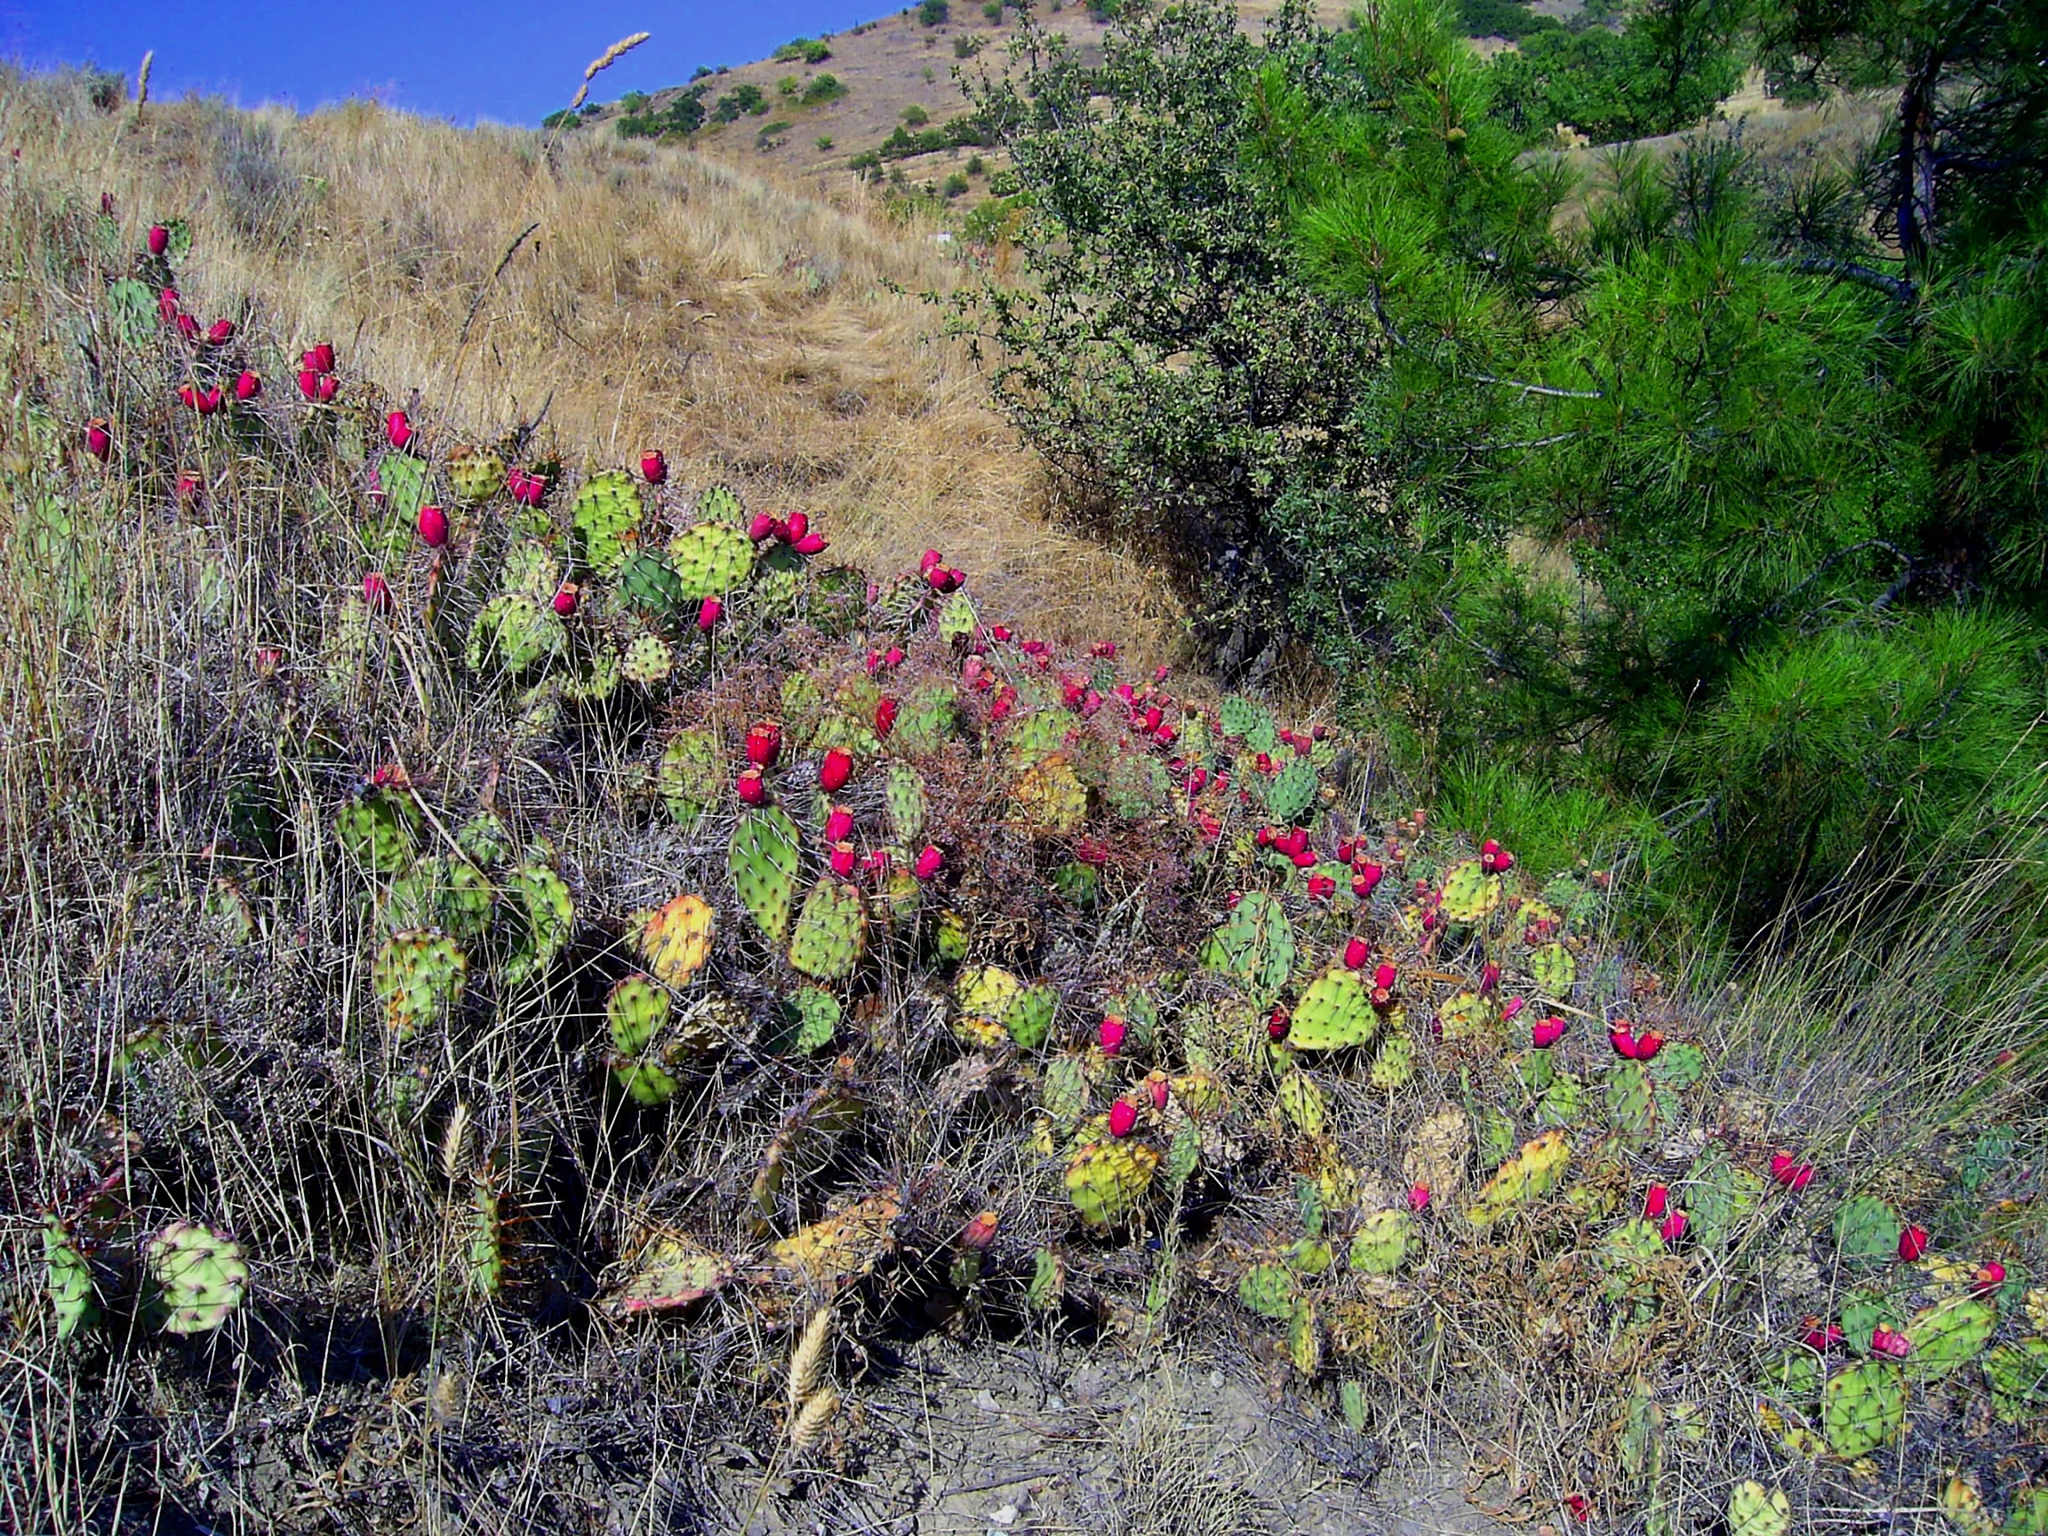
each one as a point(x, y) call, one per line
point(1007, 1515)
point(985, 1400)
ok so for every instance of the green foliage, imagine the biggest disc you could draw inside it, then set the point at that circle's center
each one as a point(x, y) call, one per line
point(684, 114)
point(810, 50)
point(933, 13)
point(1511, 19)
point(821, 89)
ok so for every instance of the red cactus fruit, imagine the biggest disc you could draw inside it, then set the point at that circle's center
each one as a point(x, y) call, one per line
point(187, 326)
point(885, 717)
point(1819, 1337)
point(762, 528)
point(797, 527)
point(1123, 1118)
point(247, 386)
point(753, 789)
point(1912, 1243)
point(1278, 1022)
point(1305, 859)
point(835, 770)
point(188, 487)
point(1673, 1228)
point(397, 429)
point(433, 526)
point(1656, 1202)
point(1356, 953)
point(838, 825)
point(99, 442)
point(979, 1235)
point(377, 592)
point(708, 612)
point(764, 743)
point(1384, 977)
point(1489, 979)
point(1160, 1089)
point(1648, 1044)
point(159, 239)
point(1623, 1039)
point(841, 859)
point(220, 333)
point(309, 383)
point(1990, 1276)
point(328, 386)
point(565, 600)
point(928, 862)
point(927, 560)
point(1321, 887)
point(653, 467)
point(1546, 1032)
point(167, 306)
point(321, 358)
point(1110, 1034)
point(209, 401)
point(1418, 1197)
point(1890, 1342)
point(811, 544)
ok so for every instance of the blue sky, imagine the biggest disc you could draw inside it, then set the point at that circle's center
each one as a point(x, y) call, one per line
point(511, 62)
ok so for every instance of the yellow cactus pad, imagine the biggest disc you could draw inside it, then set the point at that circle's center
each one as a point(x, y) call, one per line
point(675, 940)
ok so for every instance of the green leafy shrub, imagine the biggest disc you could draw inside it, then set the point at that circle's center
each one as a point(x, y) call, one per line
point(933, 13)
point(809, 50)
point(821, 89)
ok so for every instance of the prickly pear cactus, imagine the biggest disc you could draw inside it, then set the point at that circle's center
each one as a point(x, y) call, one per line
point(649, 585)
point(201, 1277)
point(1470, 893)
point(1301, 1102)
point(984, 993)
point(904, 792)
point(1679, 1065)
point(377, 829)
point(1554, 970)
point(710, 559)
point(675, 940)
point(548, 913)
point(1394, 1064)
point(1947, 1336)
point(403, 480)
point(649, 661)
point(1063, 1092)
point(476, 473)
point(1254, 943)
point(483, 1250)
point(764, 859)
point(1631, 1105)
point(604, 519)
point(957, 618)
point(691, 776)
point(1271, 1290)
point(1029, 1015)
point(419, 975)
point(1863, 1408)
point(635, 1013)
point(1291, 791)
point(68, 1279)
point(1754, 1510)
point(1380, 1246)
point(831, 932)
point(1243, 720)
point(2017, 1374)
point(1050, 797)
point(1107, 1181)
point(1334, 1012)
point(1528, 1176)
point(929, 715)
point(513, 633)
point(816, 1013)
point(1867, 1230)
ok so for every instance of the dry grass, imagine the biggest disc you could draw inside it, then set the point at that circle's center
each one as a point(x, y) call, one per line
point(755, 332)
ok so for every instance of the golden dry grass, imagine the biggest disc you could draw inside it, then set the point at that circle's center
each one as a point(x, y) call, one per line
point(760, 334)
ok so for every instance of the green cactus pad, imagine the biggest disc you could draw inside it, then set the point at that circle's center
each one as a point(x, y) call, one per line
point(403, 479)
point(1863, 1408)
point(419, 976)
point(904, 792)
point(549, 913)
point(722, 504)
point(1336, 1011)
point(200, 1276)
point(476, 473)
point(957, 617)
point(1717, 1197)
point(648, 662)
point(831, 932)
point(377, 830)
point(1754, 1510)
point(1867, 1230)
point(1469, 892)
point(1291, 791)
point(1254, 943)
point(1271, 1290)
point(691, 777)
point(1034, 737)
point(636, 1011)
point(1631, 1104)
point(2017, 1374)
point(1301, 1101)
point(67, 1278)
point(764, 859)
point(648, 584)
point(1380, 1246)
point(1078, 885)
point(1947, 1336)
point(1064, 1092)
point(604, 519)
point(710, 559)
point(816, 1013)
point(1250, 723)
point(926, 718)
point(1554, 970)
point(1394, 1064)
point(645, 1082)
point(1108, 1180)
point(1678, 1066)
point(1050, 797)
point(1029, 1015)
point(513, 633)
point(484, 1252)
point(1528, 1176)
point(447, 893)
